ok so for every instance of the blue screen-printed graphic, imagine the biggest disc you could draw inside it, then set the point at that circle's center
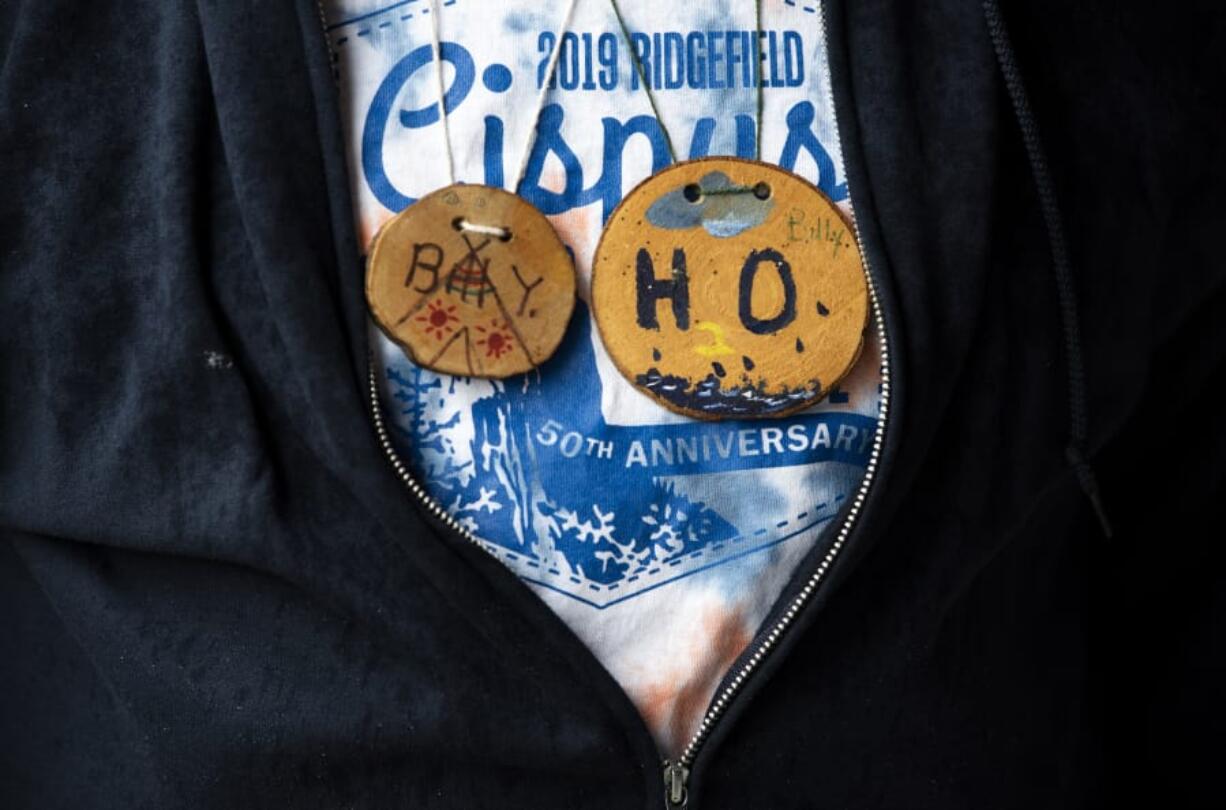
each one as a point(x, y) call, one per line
point(602, 514)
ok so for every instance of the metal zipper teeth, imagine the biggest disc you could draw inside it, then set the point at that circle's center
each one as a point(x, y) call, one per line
point(376, 410)
point(432, 505)
point(721, 703)
point(385, 440)
point(718, 707)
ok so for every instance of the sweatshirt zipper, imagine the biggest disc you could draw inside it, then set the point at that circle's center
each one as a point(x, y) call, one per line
point(676, 773)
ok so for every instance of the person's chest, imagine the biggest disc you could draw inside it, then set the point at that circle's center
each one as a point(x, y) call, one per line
point(662, 540)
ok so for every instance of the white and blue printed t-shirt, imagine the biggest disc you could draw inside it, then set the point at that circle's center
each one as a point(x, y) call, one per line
point(662, 540)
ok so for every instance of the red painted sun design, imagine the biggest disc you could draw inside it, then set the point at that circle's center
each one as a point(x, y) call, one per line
point(438, 319)
point(497, 340)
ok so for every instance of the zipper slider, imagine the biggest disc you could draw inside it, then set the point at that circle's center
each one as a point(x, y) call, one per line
point(675, 793)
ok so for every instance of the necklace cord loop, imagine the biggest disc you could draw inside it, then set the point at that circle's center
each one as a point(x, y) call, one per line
point(461, 224)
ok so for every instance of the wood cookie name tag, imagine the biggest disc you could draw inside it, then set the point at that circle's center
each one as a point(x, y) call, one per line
point(471, 280)
point(729, 288)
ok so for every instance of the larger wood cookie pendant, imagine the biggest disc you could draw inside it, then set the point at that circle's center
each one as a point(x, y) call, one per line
point(471, 280)
point(729, 288)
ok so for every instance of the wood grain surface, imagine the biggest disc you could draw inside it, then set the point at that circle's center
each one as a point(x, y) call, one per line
point(468, 303)
point(730, 288)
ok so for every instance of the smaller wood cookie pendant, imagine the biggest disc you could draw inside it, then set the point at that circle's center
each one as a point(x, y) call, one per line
point(730, 288)
point(471, 280)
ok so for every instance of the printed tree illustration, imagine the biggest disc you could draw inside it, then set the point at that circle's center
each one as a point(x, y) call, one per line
point(496, 480)
point(496, 449)
point(419, 432)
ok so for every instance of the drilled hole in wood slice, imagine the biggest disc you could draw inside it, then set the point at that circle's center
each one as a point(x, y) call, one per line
point(496, 231)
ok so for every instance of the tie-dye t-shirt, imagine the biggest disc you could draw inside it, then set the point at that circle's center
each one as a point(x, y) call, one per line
point(662, 540)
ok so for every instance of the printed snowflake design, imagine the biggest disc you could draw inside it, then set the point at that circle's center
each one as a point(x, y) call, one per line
point(485, 503)
point(497, 340)
point(672, 528)
point(587, 531)
point(438, 319)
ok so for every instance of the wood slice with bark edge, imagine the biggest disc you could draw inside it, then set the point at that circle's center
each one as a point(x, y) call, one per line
point(785, 369)
point(466, 303)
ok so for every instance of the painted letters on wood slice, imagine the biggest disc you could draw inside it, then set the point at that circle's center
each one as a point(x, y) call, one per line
point(471, 280)
point(729, 288)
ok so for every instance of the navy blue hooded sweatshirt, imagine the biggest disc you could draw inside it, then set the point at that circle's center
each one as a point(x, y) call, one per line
point(217, 592)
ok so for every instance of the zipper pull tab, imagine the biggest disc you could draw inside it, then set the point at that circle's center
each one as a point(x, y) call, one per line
point(675, 774)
